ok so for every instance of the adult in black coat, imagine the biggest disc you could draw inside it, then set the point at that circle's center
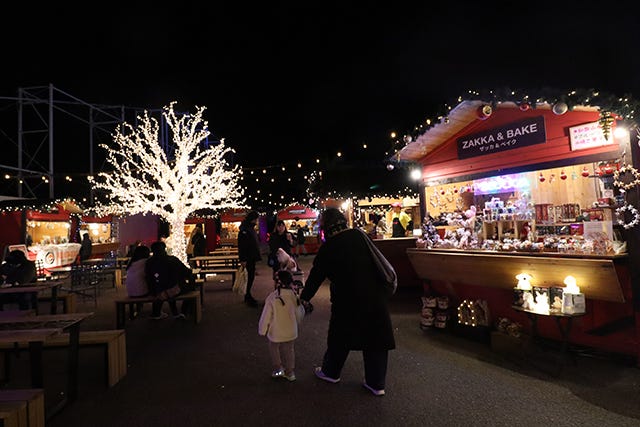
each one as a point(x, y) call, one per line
point(249, 252)
point(85, 247)
point(163, 272)
point(359, 316)
point(198, 241)
point(280, 238)
point(18, 270)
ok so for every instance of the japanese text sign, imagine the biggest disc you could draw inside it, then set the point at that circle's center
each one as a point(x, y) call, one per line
point(586, 136)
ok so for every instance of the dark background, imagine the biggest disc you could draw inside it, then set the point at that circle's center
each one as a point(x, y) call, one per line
point(285, 83)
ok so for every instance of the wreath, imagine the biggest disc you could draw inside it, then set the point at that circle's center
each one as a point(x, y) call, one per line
point(624, 169)
point(636, 216)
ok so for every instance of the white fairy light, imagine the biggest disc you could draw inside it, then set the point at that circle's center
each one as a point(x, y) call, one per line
point(144, 181)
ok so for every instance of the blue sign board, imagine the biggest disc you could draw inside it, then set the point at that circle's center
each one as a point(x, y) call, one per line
point(514, 135)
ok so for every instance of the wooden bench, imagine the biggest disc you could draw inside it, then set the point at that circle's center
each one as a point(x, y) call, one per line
point(22, 407)
point(68, 301)
point(219, 270)
point(113, 341)
point(121, 304)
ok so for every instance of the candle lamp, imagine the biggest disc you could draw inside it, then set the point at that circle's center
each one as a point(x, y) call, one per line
point(573, 301)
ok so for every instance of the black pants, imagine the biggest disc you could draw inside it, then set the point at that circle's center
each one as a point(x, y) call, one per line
point(156, 307)
point(375, 365)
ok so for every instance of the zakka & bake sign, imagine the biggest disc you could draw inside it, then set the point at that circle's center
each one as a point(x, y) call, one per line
point(514, 135)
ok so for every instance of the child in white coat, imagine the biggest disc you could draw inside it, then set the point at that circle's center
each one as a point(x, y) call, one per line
point(279, 321)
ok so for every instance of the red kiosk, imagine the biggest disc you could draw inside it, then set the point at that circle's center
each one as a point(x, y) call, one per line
point(544, 181)
point(297, 216)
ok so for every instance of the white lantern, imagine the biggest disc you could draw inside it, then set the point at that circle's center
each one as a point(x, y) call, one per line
point(573, 301)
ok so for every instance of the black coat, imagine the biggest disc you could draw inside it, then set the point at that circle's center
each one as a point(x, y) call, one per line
point(248, 248)
point(280, 241)
point(165, 271)
point(199, 244)
point(359, 316)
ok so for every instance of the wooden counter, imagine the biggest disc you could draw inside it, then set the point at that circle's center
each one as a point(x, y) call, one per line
point(595, 275)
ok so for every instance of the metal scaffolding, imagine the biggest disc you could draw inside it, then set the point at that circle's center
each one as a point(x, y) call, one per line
point(34, 159)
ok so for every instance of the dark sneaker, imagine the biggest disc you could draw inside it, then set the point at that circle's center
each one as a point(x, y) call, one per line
point(180, 316)
point(373, 390)
point(278, 373)
point(322, 376)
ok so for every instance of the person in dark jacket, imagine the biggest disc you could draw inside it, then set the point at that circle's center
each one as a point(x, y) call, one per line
point(280, 238)
point(18, 270)
point(198, 241)
point(162, 272)
point(85, 247)
point(249, 252)
point(359, 316)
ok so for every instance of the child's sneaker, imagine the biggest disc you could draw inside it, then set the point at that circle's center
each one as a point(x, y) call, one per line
point(373, 390)
point(180, 316)
point(278, 373)
point(322, 376)
point(290, 377)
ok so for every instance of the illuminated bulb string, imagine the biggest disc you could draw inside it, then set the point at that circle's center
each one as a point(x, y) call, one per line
point(144, 181)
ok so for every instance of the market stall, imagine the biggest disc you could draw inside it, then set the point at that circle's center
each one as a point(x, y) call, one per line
point(377, 208)
point(101, 231)
point(46, 228)
point(299, 216)
point(229, 225)
point(514, 188)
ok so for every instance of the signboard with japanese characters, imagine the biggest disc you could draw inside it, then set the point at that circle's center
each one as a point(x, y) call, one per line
point(514, 135)
point(586, 136)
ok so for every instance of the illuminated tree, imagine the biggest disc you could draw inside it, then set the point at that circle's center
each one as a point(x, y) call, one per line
point(147, 180)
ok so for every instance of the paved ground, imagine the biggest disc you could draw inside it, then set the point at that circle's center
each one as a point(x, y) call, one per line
point(217, 373)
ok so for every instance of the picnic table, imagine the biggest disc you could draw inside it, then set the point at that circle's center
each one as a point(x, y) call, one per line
point(33, 289)
point(34, 330)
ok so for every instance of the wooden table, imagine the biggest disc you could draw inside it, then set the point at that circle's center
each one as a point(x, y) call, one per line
point(33, 289)
point(60, 272)
point(34, 330)
point(565, 329)
point(231, 260)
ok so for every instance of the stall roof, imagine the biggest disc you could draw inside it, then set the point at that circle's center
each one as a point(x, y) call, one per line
point(297, 212)
point(465, 113)
point(233, 215)
point(40, 205)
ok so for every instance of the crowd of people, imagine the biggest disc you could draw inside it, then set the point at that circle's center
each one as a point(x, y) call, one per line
point(360, 320)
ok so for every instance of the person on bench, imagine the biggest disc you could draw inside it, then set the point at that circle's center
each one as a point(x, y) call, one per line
point(136, 281)
point(164, 272)
point(17, 270)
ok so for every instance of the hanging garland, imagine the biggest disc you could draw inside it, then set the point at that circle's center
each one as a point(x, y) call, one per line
point(434, 199)
point(633, 211)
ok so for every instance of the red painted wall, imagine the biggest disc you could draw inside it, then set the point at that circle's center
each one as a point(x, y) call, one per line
point(11, 230)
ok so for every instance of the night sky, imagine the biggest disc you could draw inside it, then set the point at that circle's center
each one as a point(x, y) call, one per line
point(292, 83)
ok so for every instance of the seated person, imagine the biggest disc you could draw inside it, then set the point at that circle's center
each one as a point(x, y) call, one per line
point(17, 270)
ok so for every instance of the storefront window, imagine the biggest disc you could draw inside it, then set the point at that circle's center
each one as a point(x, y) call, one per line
point(566, 209)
